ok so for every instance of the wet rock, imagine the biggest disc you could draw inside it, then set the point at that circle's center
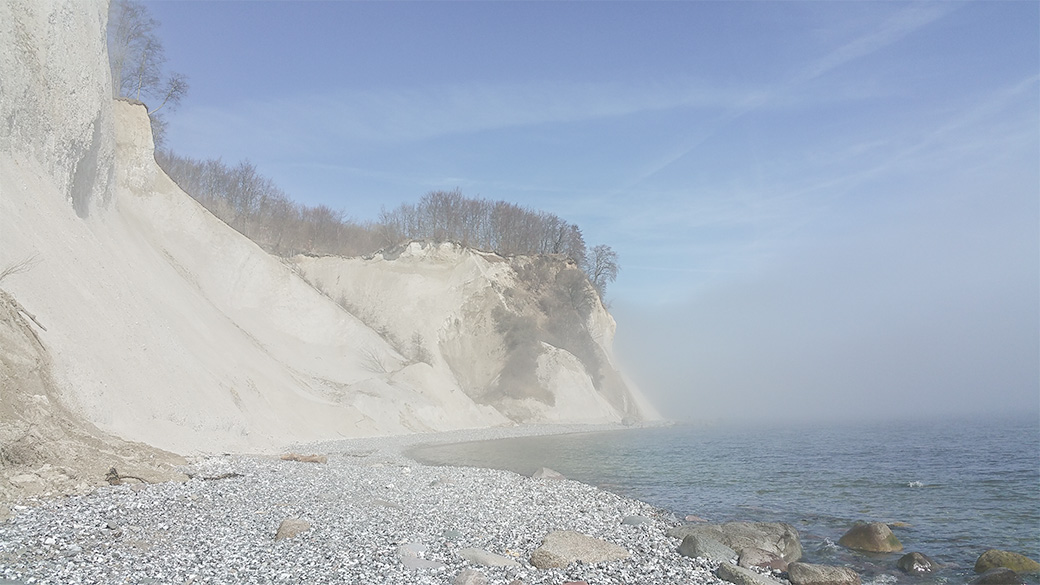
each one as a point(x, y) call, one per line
point(742, 576)
point(470, 577)
point(779, 538)
point(998, 576)
point(546, 473)
point(809, 574)
point(756, 557)
point(291, 527)
point(994, 558)
point(564, 547)
point(485, 558)
point(915, 563)
point(871, 537)
point(698, 545)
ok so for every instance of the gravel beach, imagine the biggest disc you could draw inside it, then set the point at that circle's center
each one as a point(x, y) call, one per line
point(374, 516)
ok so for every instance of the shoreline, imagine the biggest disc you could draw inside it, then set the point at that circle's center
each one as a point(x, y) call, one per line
point(374, 515)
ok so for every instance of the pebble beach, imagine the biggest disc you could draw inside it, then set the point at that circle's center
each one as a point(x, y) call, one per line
point(368, 514)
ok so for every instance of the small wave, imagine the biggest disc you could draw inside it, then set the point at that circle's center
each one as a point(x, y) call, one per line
point(915, 484)
point(829, 544)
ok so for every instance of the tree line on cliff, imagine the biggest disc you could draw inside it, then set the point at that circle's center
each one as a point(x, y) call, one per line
point(256, 207)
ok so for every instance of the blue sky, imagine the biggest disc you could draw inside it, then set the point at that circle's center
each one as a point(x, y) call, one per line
point(820, 208)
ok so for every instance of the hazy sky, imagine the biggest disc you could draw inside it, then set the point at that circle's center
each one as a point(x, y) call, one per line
point(819, 207)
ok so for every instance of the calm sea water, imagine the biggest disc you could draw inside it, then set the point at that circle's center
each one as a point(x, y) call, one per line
point(959, 487)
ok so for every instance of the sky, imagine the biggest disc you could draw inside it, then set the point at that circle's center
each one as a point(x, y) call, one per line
point(821, 209)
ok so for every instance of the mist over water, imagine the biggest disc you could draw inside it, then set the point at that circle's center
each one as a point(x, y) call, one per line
point(956, 486)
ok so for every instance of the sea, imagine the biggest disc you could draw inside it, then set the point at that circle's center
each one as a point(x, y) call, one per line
point(950, 488)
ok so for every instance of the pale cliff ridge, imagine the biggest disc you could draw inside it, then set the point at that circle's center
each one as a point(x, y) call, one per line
point(165, 326)
point(467, 313)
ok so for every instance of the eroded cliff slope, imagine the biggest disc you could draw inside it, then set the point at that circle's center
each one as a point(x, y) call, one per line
point(166, 326)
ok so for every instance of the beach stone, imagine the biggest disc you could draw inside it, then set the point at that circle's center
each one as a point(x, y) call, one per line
point(546, 473)
point(742, 576)
point(779, 538)
point(408, 554)
point(995, 558)
point(998, 576)
point(470, 577)
point(756, 557)
point(636, 520)
point(809, 574)
point(485, 558)
point(291, 527)
point(915, 563)
point(705, 547)
point(871, 537)
point(563, 547)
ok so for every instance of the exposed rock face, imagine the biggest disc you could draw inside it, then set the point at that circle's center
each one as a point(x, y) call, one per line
point(564, 547)
point(995, 558)
point(526, 335)
point(55, 94)
point(871, 537)
point(915, 563)
point(809, 574)
point(167, 327)
point(777, 537)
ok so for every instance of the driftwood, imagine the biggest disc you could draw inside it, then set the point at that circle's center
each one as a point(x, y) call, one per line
point(113, 477)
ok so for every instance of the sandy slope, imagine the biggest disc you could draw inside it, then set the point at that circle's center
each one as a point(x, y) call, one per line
point(172, 329)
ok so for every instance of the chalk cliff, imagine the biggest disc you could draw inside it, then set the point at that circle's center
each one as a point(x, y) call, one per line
point(165, 326)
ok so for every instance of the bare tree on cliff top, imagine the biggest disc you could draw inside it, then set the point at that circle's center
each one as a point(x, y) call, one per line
point(601, 265)
point(136, 58)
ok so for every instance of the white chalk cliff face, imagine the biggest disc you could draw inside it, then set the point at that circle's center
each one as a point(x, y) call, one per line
point(166, 326)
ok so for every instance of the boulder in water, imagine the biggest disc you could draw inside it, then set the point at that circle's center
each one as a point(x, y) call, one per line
point(994, 558)
point(871, 537)
point(779, 538)
point(808, 574)
point(998, 576)
point(915, 563)
point(756, 557)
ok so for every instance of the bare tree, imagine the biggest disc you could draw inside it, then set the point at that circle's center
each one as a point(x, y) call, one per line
point(136, 58)
point(601, 265)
